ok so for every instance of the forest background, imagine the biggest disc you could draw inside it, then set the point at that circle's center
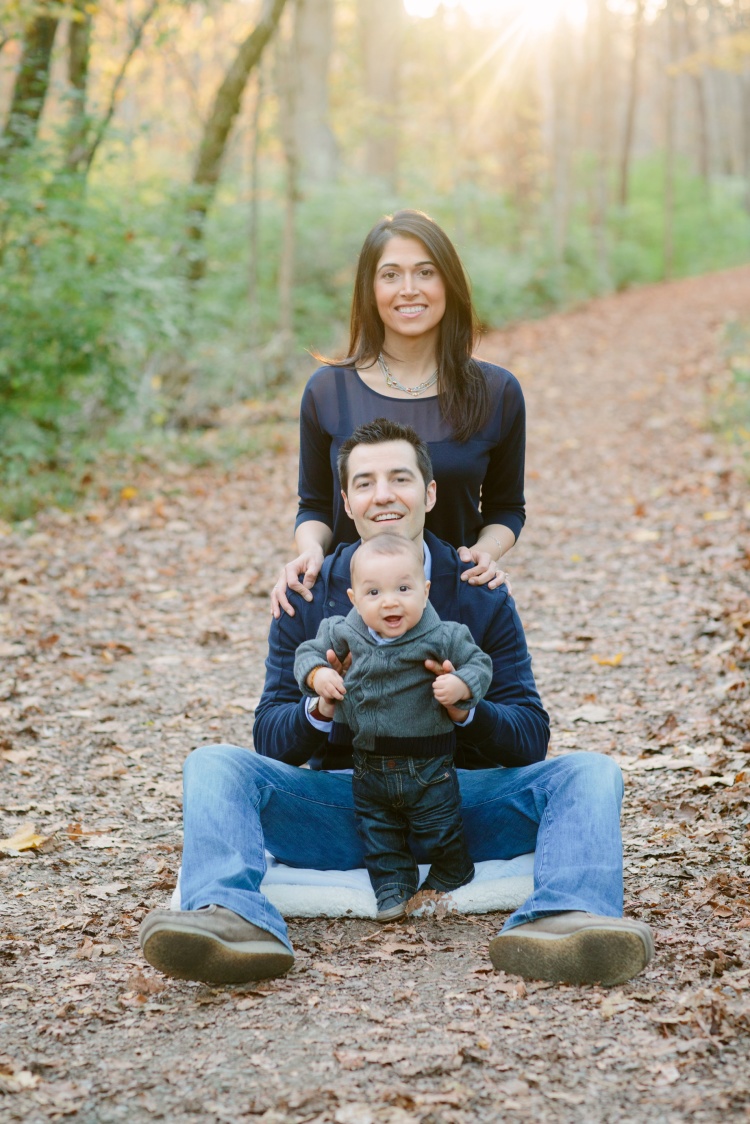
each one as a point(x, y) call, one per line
point(184, 188)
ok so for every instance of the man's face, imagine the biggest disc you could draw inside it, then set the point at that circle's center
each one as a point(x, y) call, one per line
point(389, 592)
point(386, 492)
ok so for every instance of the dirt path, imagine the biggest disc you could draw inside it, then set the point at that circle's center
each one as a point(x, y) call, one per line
point(135, 630)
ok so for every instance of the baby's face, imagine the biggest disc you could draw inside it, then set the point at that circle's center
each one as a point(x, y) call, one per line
point(389, 593)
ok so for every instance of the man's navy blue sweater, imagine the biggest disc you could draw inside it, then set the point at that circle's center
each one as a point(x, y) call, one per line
point(510, 725)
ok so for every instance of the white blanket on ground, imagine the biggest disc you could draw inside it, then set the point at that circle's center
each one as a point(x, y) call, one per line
point(498, 884)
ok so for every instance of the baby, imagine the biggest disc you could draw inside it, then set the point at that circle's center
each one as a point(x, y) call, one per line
point(404, 779)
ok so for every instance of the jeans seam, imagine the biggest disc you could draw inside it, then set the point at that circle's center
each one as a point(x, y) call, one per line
point(539, 860)
point(294, 795)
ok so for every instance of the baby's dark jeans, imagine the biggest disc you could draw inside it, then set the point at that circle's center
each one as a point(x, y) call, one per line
point(399, 797)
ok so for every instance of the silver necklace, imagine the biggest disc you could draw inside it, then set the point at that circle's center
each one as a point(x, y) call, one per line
point(415, 391)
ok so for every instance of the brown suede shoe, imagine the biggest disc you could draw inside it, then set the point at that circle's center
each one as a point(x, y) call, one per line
point(213, 945)
point(576, 948)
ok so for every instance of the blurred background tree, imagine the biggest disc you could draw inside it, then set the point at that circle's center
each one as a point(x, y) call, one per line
point(184, 185)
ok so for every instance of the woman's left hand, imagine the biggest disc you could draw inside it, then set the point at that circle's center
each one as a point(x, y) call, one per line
point(485, 571)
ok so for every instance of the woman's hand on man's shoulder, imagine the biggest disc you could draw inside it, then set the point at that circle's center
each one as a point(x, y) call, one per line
point(485, 571)
point(306, 566)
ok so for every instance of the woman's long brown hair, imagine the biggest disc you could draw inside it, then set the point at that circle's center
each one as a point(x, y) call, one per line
point(462, 387)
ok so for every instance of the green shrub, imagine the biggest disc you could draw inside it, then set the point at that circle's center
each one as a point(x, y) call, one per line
point(729, 389)
point(99, 330)
point(87, 297)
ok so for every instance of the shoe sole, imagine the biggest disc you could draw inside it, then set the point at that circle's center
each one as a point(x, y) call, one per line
point(194, 954)
point(590, 956)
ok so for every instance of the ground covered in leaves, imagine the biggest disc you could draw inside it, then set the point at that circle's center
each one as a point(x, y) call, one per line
point(134, 630)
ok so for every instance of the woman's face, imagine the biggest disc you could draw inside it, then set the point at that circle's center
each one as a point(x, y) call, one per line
point(409, 290)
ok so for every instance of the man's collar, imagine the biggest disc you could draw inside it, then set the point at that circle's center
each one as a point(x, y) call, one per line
point(427, 561)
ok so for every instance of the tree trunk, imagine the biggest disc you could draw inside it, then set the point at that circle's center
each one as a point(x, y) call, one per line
point(745, 118)
point(216, 132)
point(633, 92)
point(603, 102)
point(253, 286)
point(560, 111)
point(278, 356)
point(727, 92)
point(79, 53)
point(380, 28)
point(451, 112)
point(701, 107)
point(669, 146)
point(314, 140)
point(32, 83)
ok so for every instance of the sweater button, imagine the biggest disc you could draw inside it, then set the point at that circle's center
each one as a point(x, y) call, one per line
point(331, 604)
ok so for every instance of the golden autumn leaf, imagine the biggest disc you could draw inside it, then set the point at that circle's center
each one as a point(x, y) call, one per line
point(25, 839)
point(643, 534)
point(609, 661)
point(128, 492)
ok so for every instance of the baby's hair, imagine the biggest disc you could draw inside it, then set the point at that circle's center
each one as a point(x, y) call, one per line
point(388, 546)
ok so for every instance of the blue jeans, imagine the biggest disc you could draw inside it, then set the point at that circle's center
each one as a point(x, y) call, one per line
point(396, 796)
point(237, 804)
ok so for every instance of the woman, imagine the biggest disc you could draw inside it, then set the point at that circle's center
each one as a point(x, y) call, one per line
point(410, 359)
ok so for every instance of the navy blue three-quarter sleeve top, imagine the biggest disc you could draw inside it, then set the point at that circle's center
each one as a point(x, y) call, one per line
point(479, 481)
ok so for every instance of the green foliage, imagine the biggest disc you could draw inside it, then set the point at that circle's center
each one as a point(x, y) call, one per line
point(510, 258)
point(102, 343)
point(729, 390)
point(87, 296)
point(711, 226)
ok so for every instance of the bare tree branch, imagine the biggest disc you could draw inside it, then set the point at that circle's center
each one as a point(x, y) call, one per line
point(79, 57)
point(103, 125)
point(225, 108)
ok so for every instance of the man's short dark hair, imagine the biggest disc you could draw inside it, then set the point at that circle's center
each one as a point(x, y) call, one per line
point(376, 433)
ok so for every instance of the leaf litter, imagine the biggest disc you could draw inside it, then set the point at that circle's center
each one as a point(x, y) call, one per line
point(134, 630)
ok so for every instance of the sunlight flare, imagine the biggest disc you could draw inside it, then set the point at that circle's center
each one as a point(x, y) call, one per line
point(535, 15)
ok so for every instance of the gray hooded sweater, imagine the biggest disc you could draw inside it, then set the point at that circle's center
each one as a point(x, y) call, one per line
point(389, 706)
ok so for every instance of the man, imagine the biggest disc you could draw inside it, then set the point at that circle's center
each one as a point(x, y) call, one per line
point(237, 803)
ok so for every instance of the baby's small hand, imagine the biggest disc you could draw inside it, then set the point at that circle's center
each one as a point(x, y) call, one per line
point(327, 684)
point(449, 690)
